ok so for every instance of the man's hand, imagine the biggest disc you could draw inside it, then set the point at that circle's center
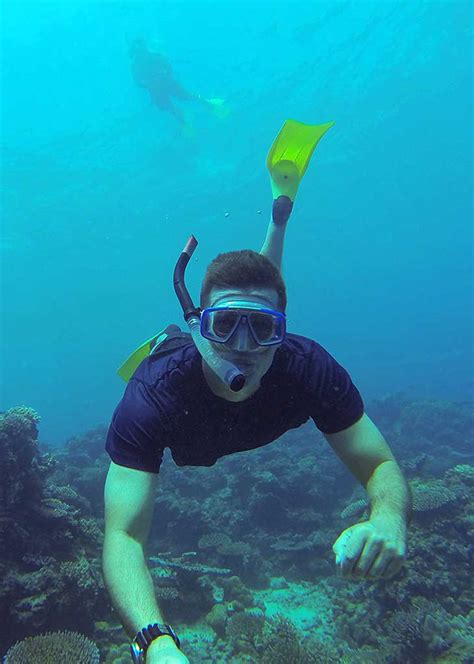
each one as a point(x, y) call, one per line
point(164, 651)
point(374, 549)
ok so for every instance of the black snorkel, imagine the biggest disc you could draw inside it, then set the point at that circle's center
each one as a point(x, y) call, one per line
point(227, 372)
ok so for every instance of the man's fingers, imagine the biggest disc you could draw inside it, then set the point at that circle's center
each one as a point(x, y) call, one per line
point(351, 552)
point(368, 557)
point(364, 552)
point(340, 544)
point(393, 568)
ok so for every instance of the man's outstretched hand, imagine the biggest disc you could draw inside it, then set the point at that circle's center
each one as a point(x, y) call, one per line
point(373, 549)
point(165, 651)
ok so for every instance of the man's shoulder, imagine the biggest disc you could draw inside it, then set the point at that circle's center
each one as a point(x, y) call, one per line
point(302, 347)
point(303, 360)
point(176, 363)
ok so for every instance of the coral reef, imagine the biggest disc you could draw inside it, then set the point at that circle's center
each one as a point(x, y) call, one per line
point(49, 565)
point(233, 541)
point(184, 584)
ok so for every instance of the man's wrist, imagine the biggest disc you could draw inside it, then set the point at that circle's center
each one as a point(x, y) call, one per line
point(162, 642)
point(386, 515)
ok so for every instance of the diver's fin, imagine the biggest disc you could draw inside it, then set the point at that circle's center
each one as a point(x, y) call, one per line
point(174, 337)
point(127, 369)
point(219, 107)
point(290, 155)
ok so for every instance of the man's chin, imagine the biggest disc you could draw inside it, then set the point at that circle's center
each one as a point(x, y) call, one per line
point(245, 365)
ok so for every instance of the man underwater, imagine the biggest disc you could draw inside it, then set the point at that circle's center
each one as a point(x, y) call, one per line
point(152, 71)
point(190, 401)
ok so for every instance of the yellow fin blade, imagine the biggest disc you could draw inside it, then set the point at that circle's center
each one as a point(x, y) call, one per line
point(127, 369)
point(290, 155)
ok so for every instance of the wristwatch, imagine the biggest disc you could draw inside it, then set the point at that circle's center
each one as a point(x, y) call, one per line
point(145, 636)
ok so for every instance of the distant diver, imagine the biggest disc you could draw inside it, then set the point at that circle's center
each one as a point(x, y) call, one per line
point(236, 382)
point(153, 72)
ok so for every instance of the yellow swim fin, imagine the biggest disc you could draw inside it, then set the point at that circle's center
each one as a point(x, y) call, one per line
point(128, 368)
point(172, 335)
point(219, 107)
point(290, 155)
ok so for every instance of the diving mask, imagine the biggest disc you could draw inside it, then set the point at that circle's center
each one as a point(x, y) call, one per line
point(222, 324)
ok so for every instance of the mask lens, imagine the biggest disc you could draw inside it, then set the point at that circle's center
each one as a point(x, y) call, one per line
point(264, 326)
point(223, 323)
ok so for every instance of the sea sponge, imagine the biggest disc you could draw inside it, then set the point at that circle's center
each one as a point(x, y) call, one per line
point(217, 619)
point(54, 647)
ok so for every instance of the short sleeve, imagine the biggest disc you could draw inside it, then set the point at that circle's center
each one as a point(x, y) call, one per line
point(334, 401)
point(137, 434)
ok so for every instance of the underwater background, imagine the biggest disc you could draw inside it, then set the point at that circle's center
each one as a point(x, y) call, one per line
point(100, 189)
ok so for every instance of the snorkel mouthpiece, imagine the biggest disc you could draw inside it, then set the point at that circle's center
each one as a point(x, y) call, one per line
point(226, 371)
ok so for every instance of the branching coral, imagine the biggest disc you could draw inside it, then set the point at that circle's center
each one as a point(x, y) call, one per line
point(184, 566)
point(190, 579)
point(54, 647)
point(243, 630)
point(81, 576)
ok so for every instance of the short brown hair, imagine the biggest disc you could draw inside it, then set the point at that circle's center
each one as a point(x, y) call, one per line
point(243, 269)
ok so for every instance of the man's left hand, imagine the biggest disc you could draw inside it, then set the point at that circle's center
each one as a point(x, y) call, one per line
point(373, 549)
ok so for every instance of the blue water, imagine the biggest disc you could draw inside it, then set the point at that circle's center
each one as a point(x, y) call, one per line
point(100, 189)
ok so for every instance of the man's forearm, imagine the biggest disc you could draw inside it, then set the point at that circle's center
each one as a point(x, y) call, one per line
point(129, 582)
point(389, 493)
point(273, 245)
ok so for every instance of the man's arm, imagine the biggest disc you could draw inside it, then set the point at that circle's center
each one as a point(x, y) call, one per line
point(129, 501)
point(274, 242)
point(375, 548)
point(364, 451)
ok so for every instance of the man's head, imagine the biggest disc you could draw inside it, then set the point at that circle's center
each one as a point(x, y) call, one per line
point(138, 47)
point(242, 285)
point(241, 271)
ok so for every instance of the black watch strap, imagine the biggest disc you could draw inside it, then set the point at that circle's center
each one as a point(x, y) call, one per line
point(151, 632)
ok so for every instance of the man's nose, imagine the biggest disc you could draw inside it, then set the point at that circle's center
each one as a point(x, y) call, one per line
point(243, 339)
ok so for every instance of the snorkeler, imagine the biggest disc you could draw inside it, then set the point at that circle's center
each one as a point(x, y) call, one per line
point(152, 71)
point(236, 382)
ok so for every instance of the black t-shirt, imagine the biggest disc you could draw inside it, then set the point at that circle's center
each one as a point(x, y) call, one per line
point(167, 403)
